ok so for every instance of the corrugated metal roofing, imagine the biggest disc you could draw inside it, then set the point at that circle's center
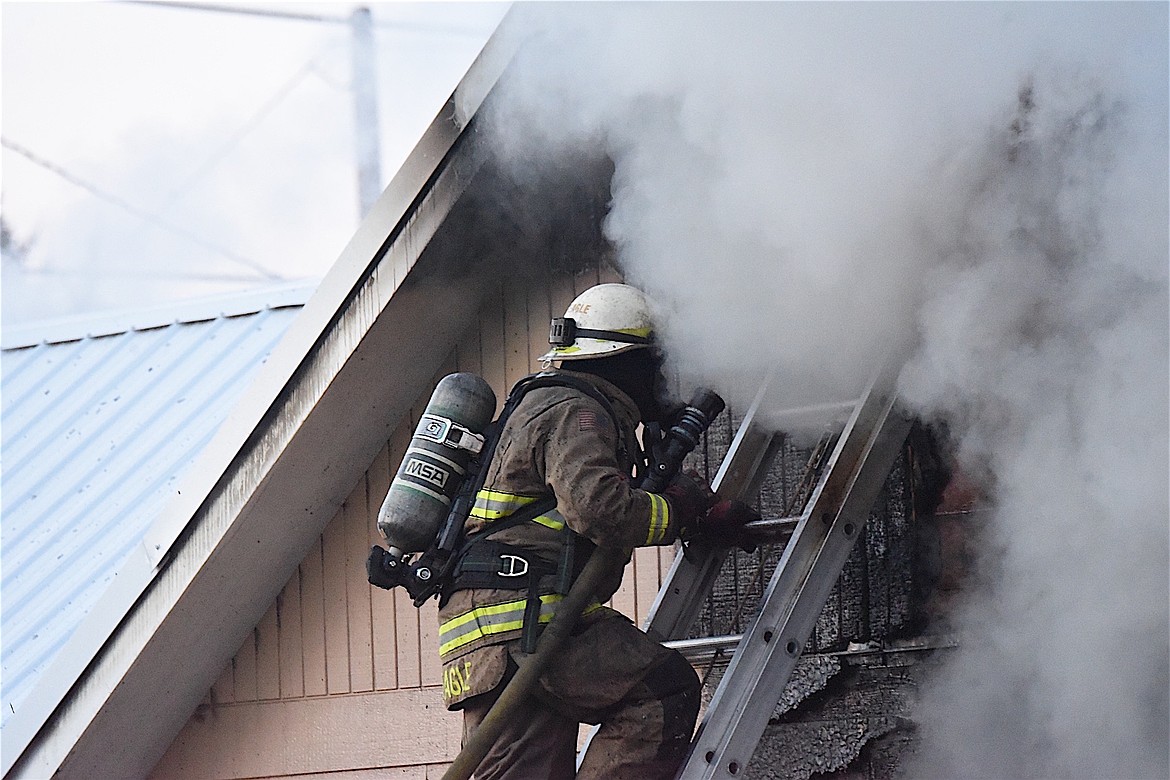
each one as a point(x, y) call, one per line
point(96, 431)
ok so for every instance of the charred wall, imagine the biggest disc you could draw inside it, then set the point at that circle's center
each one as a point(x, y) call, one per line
point(848, 709)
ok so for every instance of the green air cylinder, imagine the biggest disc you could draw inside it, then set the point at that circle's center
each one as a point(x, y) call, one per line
point(448, 436)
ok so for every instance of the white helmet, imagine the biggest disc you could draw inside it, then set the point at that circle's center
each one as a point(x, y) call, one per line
point(604, 320)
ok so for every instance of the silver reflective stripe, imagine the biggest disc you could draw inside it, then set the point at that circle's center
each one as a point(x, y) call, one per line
point(551, 519)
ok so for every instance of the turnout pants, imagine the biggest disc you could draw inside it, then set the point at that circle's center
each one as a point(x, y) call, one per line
point(644, 696)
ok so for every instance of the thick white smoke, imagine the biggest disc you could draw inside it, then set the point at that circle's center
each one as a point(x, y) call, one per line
point(1044, 342)
point(804, 185)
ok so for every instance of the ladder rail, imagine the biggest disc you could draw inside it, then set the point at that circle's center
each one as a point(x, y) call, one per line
point(800, 584)
point(693, 572)
point(691, 576)
point(819, 542)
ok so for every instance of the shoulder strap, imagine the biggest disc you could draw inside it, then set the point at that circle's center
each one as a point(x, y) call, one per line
point(452, 537)
point(520, 516)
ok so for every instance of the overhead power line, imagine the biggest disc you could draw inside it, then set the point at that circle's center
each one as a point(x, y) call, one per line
point(140, 274)
point(243, 11)
point(153, 219)
point(416, 27)
point(234, 140)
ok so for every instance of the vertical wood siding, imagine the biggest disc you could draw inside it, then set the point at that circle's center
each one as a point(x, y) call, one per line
point(329, 631)
point(330, 635)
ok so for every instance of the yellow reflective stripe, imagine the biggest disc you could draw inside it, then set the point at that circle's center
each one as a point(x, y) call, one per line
point(659, 519)
point(665, 517)
point(496, 495)
point(552, 519)
point(495, 619)
point(492, 504)
point(475, 615)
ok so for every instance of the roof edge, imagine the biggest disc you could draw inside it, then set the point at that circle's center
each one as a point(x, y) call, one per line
point(109, 323)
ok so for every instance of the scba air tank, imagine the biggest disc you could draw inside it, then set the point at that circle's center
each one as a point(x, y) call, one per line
point(448, 436)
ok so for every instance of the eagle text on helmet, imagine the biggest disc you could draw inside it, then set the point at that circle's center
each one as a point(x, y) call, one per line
point(605, 320)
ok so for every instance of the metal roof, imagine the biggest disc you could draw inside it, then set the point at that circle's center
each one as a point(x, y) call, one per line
point(100, 420)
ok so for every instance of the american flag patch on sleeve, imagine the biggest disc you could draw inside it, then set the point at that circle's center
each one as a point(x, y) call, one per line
point(589, 420)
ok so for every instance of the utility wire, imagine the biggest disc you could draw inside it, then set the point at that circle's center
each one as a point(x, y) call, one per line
point(401, 26)
point(141, 214)
point(226, 148)
point(140, 274)
point(176, 192)
point(242, 11)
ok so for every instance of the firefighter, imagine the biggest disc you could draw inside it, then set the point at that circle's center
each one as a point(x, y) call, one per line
point(559, 483)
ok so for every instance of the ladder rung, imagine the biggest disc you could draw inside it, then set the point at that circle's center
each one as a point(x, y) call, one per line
point(813, 558)
point(704, 648)
point(817, 412)
point(761, 660)
point(771, 526)
point(708, 648)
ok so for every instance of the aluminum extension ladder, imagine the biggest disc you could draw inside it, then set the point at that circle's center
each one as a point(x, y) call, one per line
point(822, 536)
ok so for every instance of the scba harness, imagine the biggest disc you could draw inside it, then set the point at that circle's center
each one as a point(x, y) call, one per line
point(483, 562)
point(459, 561)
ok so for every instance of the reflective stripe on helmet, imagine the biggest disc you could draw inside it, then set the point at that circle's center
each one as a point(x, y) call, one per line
point(585, 346)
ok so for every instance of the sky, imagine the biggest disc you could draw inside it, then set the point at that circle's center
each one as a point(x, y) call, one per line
point(153, 154)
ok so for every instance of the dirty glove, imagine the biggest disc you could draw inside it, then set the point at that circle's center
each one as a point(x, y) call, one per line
point(724, 521)
point(377, 572)
point(690, 497)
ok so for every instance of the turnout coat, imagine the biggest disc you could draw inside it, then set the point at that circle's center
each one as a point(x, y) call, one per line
point(558, 442)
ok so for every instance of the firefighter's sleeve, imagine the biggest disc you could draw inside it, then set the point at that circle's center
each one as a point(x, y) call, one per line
point(598, 500)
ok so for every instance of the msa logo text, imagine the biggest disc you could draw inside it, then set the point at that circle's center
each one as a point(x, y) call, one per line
point(427, 472)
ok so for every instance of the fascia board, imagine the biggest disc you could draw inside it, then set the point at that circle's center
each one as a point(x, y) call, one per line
point(391, 215)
